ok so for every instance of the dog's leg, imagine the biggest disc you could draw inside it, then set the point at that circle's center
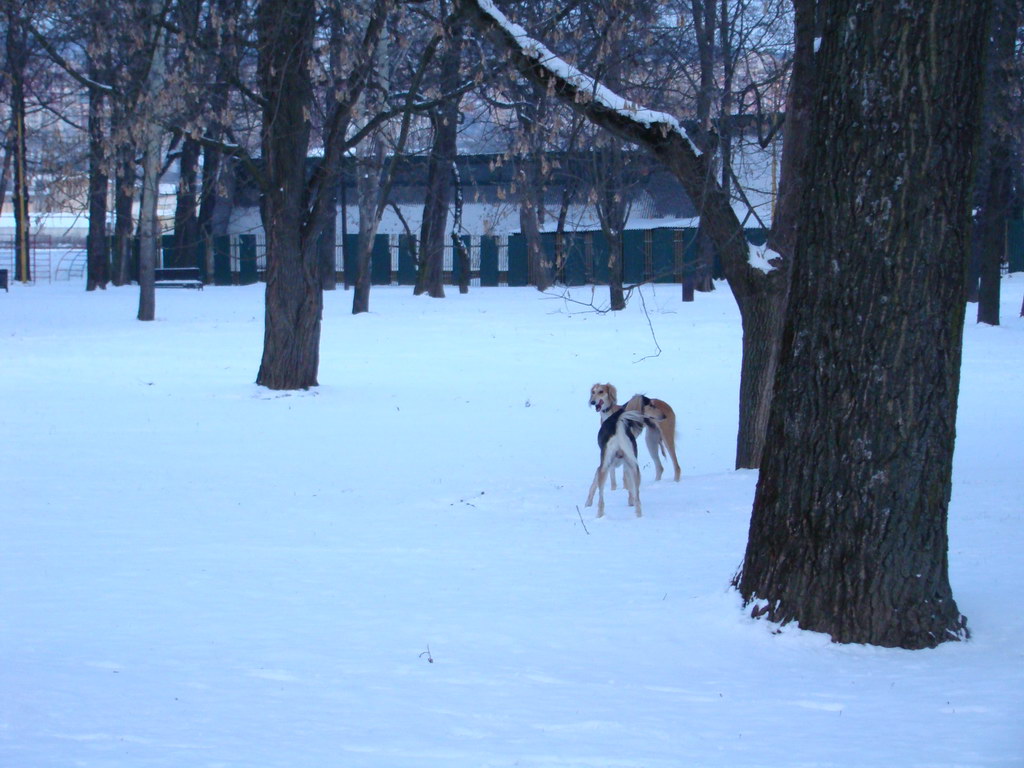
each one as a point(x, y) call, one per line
point(631, 479)
point(593, 488)
point(598, 486)
point(636, 480)
point(668, 434)
point(652, 434)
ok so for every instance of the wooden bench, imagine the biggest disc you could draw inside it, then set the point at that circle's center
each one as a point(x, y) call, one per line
point(179, 277)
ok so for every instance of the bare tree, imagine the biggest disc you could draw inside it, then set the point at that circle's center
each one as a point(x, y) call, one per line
point(295, 210)
point(375, 174)
point(444, 120)
point(152, 164)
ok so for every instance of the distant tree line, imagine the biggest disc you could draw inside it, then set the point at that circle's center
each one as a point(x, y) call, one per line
point(137, 86)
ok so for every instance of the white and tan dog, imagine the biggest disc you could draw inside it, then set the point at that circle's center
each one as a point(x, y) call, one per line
point(617, 441)
point(659, 418)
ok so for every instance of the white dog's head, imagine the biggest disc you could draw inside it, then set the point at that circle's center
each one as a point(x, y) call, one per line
point(603, 397)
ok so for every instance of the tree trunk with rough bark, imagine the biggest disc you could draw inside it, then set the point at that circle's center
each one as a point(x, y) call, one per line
point(848, 532)
point(445, 122)
point(149, 225)
point(294, 303)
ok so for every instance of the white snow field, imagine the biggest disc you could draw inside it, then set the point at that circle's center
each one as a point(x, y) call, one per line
point(395, 569)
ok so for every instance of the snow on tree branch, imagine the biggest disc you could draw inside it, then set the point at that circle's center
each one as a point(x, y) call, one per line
point(612, 111)
point(762, 257)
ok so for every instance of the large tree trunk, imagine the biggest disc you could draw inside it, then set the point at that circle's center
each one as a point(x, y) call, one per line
point(848, 532)
point(294, 302)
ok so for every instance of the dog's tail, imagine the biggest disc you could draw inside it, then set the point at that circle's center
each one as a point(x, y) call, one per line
point(631, 420)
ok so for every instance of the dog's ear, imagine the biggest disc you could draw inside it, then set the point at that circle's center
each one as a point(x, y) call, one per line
point(613, 394)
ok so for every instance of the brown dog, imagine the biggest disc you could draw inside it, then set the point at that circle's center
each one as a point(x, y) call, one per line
point(659, 418)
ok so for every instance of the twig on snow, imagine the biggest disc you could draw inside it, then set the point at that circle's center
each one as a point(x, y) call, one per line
point(581, 519)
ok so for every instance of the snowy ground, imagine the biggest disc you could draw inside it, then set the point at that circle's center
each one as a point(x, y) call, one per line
point(395, 569)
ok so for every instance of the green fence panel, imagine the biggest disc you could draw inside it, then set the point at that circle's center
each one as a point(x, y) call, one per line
point(633, 257)
point(599, 258)
point(663, 256)
point(133, 256)
point(222, 260)
point(407, 260)
point(1015, 244)
point(518, 272)
point(199, 258)
point(350, 259)
point(247, 273)
point(575, 268)
point(688, 268)
point(380, 261)
point(548, 244)
point(488, 261)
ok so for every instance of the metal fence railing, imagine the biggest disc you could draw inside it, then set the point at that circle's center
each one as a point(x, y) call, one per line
point(664, 255)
